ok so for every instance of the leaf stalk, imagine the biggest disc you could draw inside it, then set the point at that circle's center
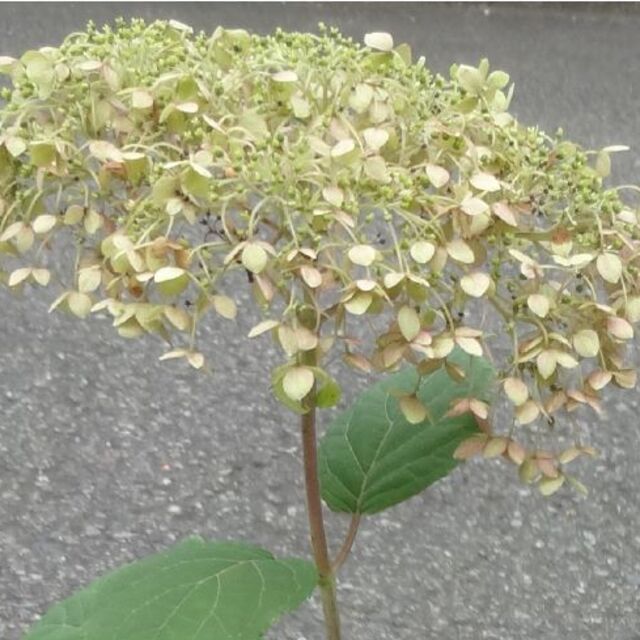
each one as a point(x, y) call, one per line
point(345, 550)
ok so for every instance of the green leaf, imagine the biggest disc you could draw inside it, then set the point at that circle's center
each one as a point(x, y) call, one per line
point(196, 590)
point(329, 394)
point(371, 457)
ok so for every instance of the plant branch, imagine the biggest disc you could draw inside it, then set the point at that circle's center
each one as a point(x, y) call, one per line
point(345, 550)
point(316, 522)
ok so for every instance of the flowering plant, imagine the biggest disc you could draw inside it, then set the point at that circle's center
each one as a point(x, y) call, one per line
point(376, 210)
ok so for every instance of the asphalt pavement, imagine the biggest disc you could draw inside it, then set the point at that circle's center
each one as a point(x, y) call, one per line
point(107, 454)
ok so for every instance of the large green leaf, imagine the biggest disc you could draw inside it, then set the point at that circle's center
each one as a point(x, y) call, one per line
point(196, 590)
point(372, 458)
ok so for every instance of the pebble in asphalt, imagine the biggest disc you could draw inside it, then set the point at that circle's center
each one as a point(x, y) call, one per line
point(107, 455)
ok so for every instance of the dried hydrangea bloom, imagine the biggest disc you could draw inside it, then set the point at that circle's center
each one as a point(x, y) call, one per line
point(349, 183)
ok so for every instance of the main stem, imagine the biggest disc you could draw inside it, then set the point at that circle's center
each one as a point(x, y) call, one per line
point(316, 524)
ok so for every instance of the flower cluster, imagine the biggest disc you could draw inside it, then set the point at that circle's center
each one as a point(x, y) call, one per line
point(348, 182)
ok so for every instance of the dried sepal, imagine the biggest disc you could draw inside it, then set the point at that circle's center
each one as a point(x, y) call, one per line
point(79, 303)
point(495, 447)
point(413, 409)
point(298, 382)
point(475, 284)
point(516, 452)
point(609, 267)
point(549, 486)
point(422, 251)
point(263, 327)
point(516, 390)
point(362, 255)
point(438, 176)
point(224, 306)
point(539, 304)
point(409, 323)
point(471, 447)
point(178, 317)
point(587, 343)
point(194, 358)
point(379, 40)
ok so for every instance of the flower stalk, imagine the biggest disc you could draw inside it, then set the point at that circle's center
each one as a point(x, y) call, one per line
point(316, 523)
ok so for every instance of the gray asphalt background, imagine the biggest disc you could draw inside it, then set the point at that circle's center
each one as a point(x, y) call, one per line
point(107, 454)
